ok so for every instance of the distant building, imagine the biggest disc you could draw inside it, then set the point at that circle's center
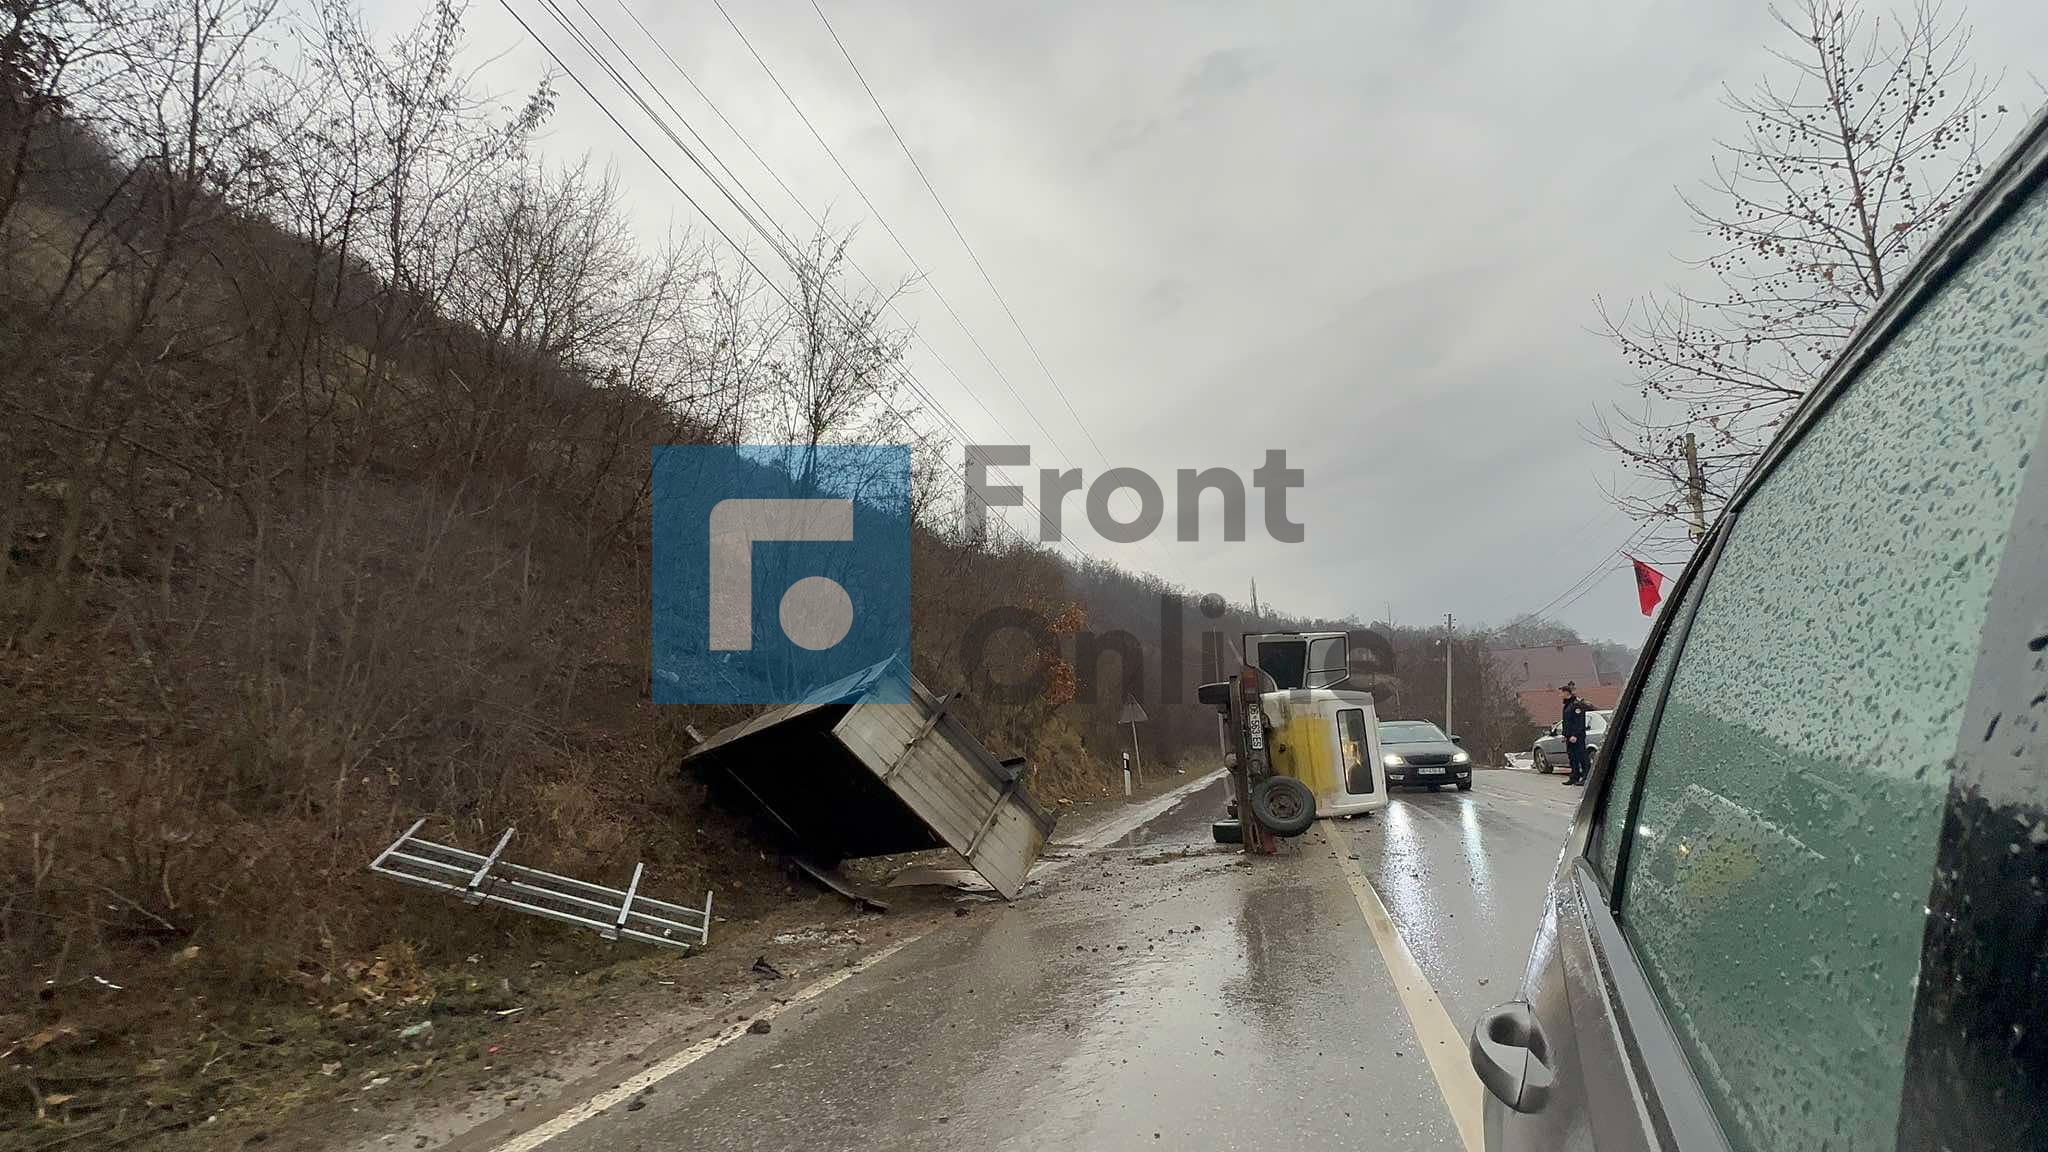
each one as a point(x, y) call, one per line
point(1537, 673)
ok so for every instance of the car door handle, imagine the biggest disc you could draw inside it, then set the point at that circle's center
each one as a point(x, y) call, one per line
point(1511, 1057)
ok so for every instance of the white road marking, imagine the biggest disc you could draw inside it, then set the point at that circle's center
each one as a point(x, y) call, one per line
point(655, 1073)
point(1113, 830)
point(1442, 1041)
point(1108, 833)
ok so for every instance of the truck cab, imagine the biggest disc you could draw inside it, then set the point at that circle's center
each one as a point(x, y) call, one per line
point(1321, 734)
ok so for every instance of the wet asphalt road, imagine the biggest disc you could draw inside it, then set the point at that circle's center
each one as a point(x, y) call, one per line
point(1462, 874)
point(1150, 999)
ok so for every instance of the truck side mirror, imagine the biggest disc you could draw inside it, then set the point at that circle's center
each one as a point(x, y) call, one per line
point(1216, 694)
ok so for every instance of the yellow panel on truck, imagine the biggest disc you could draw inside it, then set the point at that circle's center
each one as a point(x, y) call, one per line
point(1329, 740)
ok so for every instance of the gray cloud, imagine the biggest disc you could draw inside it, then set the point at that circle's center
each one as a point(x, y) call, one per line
point(1164, 298)
point(1221, 74)
point(1370, 235)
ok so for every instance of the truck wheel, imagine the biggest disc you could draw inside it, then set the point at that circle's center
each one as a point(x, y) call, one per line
point(1284, 805)
point(1227, 832)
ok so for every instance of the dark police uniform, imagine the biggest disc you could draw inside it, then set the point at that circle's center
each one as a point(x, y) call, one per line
point(1574, 724)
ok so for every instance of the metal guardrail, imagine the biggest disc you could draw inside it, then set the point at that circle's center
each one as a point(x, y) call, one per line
point(478, 879)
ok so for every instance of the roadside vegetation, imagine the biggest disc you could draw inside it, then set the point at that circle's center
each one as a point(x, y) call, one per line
point(324, 505)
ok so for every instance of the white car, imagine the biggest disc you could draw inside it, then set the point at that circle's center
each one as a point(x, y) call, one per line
point(1548, 751)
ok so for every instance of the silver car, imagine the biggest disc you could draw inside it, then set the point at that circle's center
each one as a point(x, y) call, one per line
point(1802, 902)
point(1548, 752)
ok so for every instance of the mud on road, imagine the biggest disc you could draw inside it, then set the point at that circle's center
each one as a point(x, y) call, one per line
point(1151, 986)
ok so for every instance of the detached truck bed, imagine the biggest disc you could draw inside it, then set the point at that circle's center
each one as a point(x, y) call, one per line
point(843, 775)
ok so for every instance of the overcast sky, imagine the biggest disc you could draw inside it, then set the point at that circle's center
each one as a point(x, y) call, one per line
point(1368, 234)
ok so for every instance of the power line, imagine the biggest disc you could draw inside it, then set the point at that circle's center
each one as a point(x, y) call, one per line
point(794, 198)
point(709, 103)
point(884, 222)
point(635, 141)
point(788, 245)
point(958, 234)
point(990, 360)
point(661, 124)
point(618, 78)
point(1588, 589)
point(1578, 588)
point(634, 64)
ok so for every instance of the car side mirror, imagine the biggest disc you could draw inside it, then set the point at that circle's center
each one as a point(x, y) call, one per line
point(1458, 740)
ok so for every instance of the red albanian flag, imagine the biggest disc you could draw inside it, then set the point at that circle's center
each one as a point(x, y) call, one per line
point(1649, 586)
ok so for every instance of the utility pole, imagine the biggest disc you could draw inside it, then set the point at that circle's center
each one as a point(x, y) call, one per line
point(1696, 487)
point(1447, 673)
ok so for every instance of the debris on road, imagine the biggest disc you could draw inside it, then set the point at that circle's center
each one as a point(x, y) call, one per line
point(963, 879)
point(818, 936)
point(611, 913)
point(838, 883)
point(763, 968)
point(876, 765)
point(760, 1027)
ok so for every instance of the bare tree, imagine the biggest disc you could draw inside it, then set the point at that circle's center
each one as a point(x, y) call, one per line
point(1848, 163)
point(841, 364)
point(178, 110)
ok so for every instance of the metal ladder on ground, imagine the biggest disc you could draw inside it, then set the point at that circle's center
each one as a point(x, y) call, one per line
point(612, 913)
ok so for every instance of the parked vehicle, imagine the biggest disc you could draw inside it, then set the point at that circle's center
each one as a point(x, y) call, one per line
point(1801, 902)
point(1548, 752)
point(1417, 754)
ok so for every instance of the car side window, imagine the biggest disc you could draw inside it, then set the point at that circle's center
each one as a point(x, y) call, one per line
point(1777, 884)
point(1627, 762)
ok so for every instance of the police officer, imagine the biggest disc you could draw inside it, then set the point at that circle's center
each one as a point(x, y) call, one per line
point(1574, 727)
